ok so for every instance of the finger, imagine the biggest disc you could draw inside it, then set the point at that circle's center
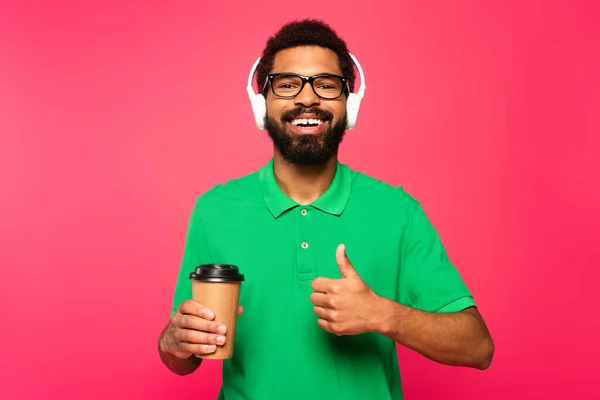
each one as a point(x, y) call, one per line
point(198, 348)
point(321, 312)
point(327, 314)
point(191, 336)
point(330, 327)
point(240, 310)
point(187, 321)
point(346, 267)
point(319, 299)
point(192, 307)
point(324, 324)
point(324, 285)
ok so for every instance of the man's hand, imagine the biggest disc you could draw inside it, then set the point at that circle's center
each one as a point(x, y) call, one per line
point(345, 306)
point(192, 330)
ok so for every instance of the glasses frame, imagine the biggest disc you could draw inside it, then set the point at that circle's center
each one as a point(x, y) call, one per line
point(307, 79)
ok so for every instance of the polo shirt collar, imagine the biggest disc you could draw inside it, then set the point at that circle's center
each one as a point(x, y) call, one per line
point(333, 201)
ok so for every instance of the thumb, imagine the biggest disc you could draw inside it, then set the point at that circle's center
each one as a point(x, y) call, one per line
point(344, 263)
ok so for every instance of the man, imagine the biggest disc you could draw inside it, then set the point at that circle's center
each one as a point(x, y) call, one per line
point(339, 266)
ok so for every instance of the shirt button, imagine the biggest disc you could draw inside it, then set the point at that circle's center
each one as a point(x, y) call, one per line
point(303, 212)
point(304, 245)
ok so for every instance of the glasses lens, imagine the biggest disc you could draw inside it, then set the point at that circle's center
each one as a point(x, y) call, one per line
point(286, 85)
point(328, 87)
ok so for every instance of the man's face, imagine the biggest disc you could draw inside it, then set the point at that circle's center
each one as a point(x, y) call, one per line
point(306, 129)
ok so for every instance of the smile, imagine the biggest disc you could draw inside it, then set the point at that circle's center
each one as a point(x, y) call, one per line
point(306, 122)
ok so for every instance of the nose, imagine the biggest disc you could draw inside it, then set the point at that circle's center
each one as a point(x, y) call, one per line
point(307, 97)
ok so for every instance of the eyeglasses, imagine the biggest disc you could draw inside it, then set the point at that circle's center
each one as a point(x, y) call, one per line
point(326, 86)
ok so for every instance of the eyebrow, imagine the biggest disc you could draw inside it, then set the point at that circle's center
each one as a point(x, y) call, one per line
point(297, 73)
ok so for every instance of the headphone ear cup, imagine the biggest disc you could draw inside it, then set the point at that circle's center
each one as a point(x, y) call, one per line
point(259, 108)
point(352, 107)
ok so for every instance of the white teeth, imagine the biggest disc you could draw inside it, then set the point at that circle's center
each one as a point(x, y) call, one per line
point(306, 121)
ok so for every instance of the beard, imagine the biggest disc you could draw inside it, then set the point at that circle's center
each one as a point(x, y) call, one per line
point(308, 149)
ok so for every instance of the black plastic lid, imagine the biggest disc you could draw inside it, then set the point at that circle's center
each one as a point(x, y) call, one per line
point(217, 273)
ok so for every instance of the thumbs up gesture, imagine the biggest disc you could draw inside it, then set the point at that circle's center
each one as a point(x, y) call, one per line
point(345, 306)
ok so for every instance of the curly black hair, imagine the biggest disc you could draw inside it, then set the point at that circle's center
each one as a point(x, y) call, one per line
point(307, 32)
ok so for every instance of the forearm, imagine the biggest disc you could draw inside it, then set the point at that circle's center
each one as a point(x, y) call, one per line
point(179, 366)
point(459, 338)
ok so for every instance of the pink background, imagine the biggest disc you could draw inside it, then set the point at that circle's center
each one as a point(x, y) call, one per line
point(115, 115)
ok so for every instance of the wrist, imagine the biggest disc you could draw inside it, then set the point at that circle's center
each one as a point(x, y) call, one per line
point(390, 318)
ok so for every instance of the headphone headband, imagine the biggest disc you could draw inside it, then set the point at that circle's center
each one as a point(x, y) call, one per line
point(251, 76)
point(259, 105)
point(363, 86)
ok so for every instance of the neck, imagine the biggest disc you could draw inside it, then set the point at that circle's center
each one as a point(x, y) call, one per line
point(303, 183)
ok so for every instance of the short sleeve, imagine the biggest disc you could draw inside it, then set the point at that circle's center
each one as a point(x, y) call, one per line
point(428, 279)
point(196, 252)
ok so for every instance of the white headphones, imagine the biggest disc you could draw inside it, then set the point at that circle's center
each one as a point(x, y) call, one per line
point(259, 104)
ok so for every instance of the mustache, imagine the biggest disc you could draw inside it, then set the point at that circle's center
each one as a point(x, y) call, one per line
point(294, 113)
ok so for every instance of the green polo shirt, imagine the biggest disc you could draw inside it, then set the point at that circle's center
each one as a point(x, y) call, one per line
point(281, 247)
